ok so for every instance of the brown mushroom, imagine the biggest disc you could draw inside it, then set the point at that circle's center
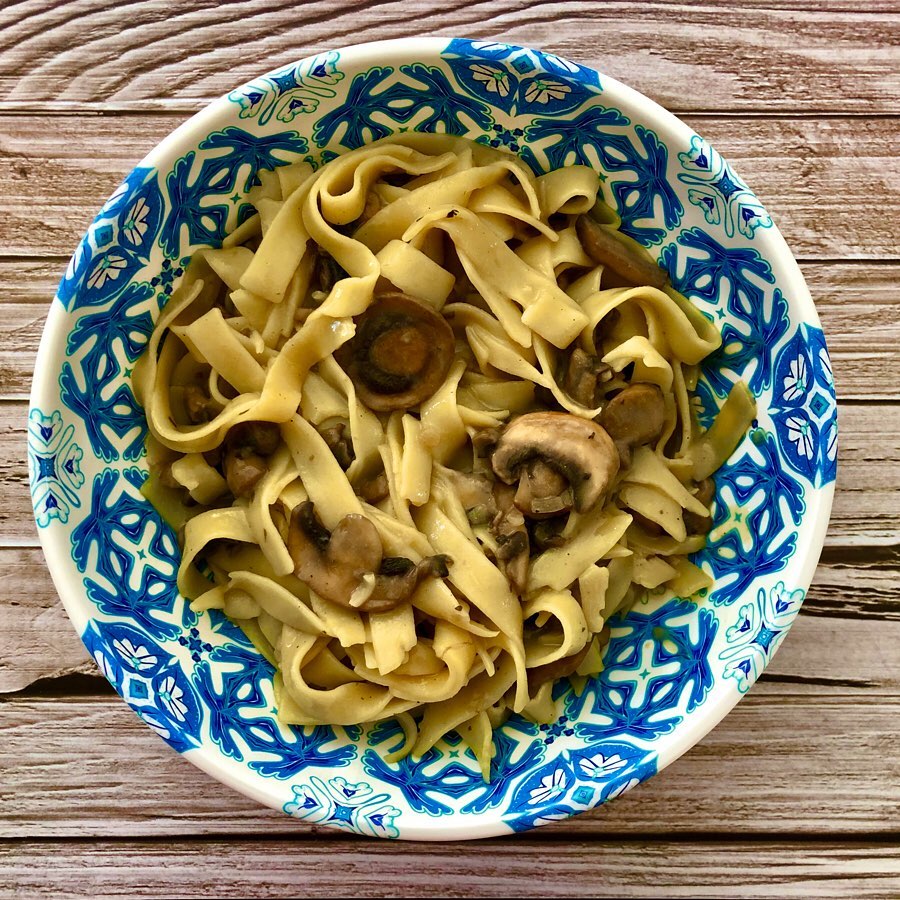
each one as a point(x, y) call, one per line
point(626, 258)
point(635, 416)
point(340, 444)
point(374, 489)
point(584, 374)
point(327, 271)
point(401, 352)
point(513, 548)
point(398, 579)
point(247, 445)
point(198, 405)
point(339, 565)
point(578, 450)
point(547, 533)
point(542, 491)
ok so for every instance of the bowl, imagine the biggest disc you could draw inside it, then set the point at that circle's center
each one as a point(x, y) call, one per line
point(673, 667)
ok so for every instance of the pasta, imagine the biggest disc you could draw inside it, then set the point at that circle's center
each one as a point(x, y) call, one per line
point(423, 425)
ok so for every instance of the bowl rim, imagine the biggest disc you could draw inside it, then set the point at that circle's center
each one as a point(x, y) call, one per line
point(673, 131)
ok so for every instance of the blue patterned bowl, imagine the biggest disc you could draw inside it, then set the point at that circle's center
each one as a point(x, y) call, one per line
point(673, 668)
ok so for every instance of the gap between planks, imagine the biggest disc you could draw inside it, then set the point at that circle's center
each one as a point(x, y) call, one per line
point(733, 56)
point(501, 867)
point(776, 765)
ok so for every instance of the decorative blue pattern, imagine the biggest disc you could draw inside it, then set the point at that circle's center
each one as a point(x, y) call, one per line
point(149, 679)
point(804, 405)
point(196, 679)
point(718, 191)
point(750, 539)
point(54, 467)
point(760, 628)
point(291, 92)
point(576, 781)
point(654, 663)
point(352, 807)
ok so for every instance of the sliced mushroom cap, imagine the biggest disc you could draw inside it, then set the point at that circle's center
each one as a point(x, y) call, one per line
point(578, 449)
point(630, 261)
point(635, 416)
point(340, 443)
point(333, 563)
point(374, 489)
point(347, 566)
point(583, 375)
point(398, 579)
point(243, 472)
point(401, 352)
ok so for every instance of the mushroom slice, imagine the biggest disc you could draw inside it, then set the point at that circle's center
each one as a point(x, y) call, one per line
point(578, 449)
point(583, 375)
point(401, 352)
point(632, 263)
point(340, 443)
point(333, 563)
point(543, 492)
point(398, 579)
point(347, 566)
point(635, 416)
point(374, 489)
point(513, 546)
point(247, 445)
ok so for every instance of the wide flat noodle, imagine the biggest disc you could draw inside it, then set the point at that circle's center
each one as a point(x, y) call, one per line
point(245, 390)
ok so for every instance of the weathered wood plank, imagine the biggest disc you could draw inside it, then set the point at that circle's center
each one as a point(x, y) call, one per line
point(703, 56)
point(865, 505)
point(849, 607)
point(856, 302)
point(783, 761)
point(260, 868)
point(817, 177)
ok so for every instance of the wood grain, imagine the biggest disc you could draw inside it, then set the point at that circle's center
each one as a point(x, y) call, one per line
point(783, 56)
point(817, 177)
point(852, 614)
point(260, 868)
point(850, 298)
point(778, 763)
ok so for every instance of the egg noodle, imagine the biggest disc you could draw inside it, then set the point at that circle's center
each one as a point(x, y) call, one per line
point(423, 425)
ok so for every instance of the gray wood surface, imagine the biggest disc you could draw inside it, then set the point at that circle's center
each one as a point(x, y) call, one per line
point(797, 792)
point(501, 868)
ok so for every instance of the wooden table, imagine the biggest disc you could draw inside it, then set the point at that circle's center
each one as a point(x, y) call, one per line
point(797, 792)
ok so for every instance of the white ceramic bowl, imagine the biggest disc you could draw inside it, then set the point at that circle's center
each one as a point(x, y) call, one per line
point(673, 668)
